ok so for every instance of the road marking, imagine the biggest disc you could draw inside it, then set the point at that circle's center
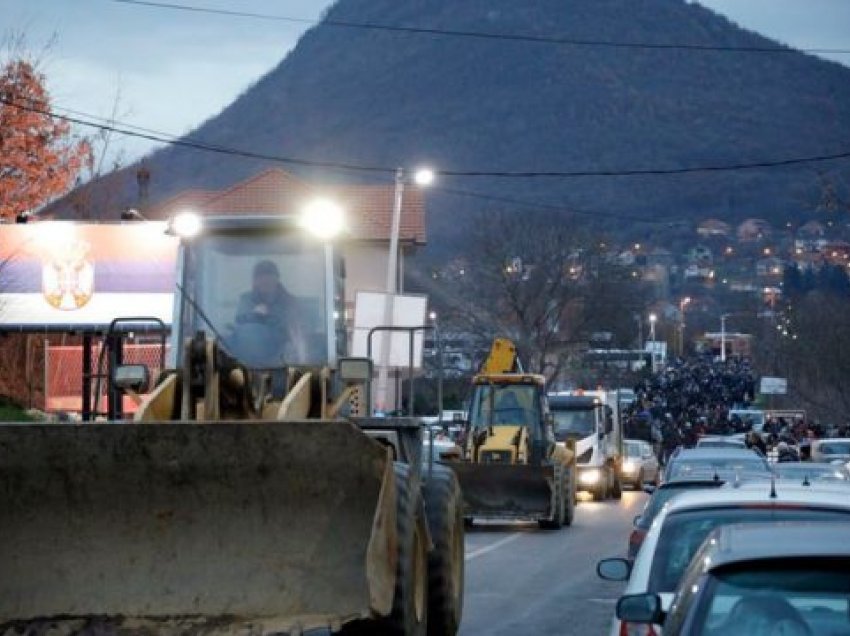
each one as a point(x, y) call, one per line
point(493, 546)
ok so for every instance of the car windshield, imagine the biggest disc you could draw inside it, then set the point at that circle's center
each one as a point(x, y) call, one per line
point(753, 420)
point(683, 532)
point(813, 472)
point(682, 468)
point(835, 448)
point(793, 598)
point(633, 450)
point(574, 423)
point(263, 297)
point(504, 405)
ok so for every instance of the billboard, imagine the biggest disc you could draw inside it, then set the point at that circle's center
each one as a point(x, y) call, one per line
point(407, 311)
point(58, 275)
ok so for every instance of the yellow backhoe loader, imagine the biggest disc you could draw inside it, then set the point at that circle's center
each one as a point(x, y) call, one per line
point(251, 494)
point(512, 467)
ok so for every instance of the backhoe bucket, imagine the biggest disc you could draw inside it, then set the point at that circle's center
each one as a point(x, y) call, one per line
point(194, 528)
point(505, 490)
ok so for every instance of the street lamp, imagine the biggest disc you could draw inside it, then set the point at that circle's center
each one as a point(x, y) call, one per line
point(652, 320)
point(682, 304)
point(422, 177)
point(723, 337)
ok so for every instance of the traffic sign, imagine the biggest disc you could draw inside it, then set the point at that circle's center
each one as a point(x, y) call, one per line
point(774, 386)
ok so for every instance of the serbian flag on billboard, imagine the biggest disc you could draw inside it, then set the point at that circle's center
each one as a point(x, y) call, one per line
point(64, 275)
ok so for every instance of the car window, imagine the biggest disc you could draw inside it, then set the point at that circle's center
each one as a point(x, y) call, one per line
point(633, 449)
point(803, 470)
point(682, 468)
point(683, 532)
point(835, 448)
point(802, 598)
point(662, 495)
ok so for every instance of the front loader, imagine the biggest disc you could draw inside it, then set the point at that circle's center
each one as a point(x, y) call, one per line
point(512, 468)
point(251, 493)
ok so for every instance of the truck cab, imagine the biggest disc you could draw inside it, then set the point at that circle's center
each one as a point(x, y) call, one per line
point(591, 420)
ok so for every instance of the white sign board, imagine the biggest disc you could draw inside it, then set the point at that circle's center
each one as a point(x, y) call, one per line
point(774, 386)
point(407, 311)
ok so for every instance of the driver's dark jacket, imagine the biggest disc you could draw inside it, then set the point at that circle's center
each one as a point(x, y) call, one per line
point(278, 320)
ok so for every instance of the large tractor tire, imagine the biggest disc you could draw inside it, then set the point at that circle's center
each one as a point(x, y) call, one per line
point(444, 507)
point(570, 496)
point(616, 485)
point(602, 489)
point(560, 483)
point(409, 616)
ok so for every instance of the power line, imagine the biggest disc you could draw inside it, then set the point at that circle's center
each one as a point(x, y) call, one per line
point(164, 138)
point(539, 205)
point(485, 35)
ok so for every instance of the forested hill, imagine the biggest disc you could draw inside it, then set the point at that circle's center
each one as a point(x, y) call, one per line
point(392, 98)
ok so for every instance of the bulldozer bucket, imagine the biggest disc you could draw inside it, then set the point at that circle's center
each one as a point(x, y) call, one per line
point(194, 528)
point(505, 490)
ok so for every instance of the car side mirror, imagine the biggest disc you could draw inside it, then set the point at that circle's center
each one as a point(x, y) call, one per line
point(616, 569)
point(131, 377)
point(640, 608)
point(649, 489)
point(636, 520)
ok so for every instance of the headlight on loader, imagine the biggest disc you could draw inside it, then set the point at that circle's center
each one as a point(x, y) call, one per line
point(589, 477)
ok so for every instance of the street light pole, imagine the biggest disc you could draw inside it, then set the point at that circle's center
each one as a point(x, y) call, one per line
point(390, 290)
point(684, 303)
point(723, 318)
point(423, 178)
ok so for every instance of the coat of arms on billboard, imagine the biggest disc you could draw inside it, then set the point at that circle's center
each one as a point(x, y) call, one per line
point(67, 276)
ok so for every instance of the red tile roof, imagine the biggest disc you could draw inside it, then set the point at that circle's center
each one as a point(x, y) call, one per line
point(274, 191)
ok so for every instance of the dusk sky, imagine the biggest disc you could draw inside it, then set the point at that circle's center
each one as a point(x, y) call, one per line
point(174, 69)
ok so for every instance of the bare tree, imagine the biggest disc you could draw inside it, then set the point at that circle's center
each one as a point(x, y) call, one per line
point(539, 280)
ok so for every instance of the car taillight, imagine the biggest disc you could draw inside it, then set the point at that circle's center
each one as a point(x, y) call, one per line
point(637, 629)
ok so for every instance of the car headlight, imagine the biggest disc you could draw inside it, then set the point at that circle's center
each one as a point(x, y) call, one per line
point(629, 466)
point(589, 476)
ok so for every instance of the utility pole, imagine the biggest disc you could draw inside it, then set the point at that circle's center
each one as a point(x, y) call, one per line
point(723, 336)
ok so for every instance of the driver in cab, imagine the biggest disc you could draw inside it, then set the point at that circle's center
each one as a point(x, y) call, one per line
point(266, 328)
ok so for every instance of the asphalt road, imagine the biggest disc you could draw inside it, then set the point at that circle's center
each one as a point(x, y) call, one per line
point(521, 580)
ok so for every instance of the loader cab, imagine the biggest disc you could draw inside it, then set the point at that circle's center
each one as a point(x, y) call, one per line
point(271, 293)
point(508, 419)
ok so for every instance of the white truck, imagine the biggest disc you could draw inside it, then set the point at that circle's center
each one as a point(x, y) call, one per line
point(592, 420)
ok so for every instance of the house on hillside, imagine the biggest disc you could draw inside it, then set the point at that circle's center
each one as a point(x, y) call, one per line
point(753, 230)
point(771, 267)
point(713, 228)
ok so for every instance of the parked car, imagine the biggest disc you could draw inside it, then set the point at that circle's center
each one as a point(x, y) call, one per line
point(683, 524)
point(829, 450)
point(666, 491)
point(686, 461)
point(795, 583)
point(640, 465)
point(812, 471)
point(720, 441)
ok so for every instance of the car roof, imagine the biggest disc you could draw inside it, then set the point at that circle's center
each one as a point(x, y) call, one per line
point(823, 494)
point(715, 453)
point(736, 543)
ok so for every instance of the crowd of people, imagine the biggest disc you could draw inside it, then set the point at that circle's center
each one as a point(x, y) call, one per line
point(693, 398)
